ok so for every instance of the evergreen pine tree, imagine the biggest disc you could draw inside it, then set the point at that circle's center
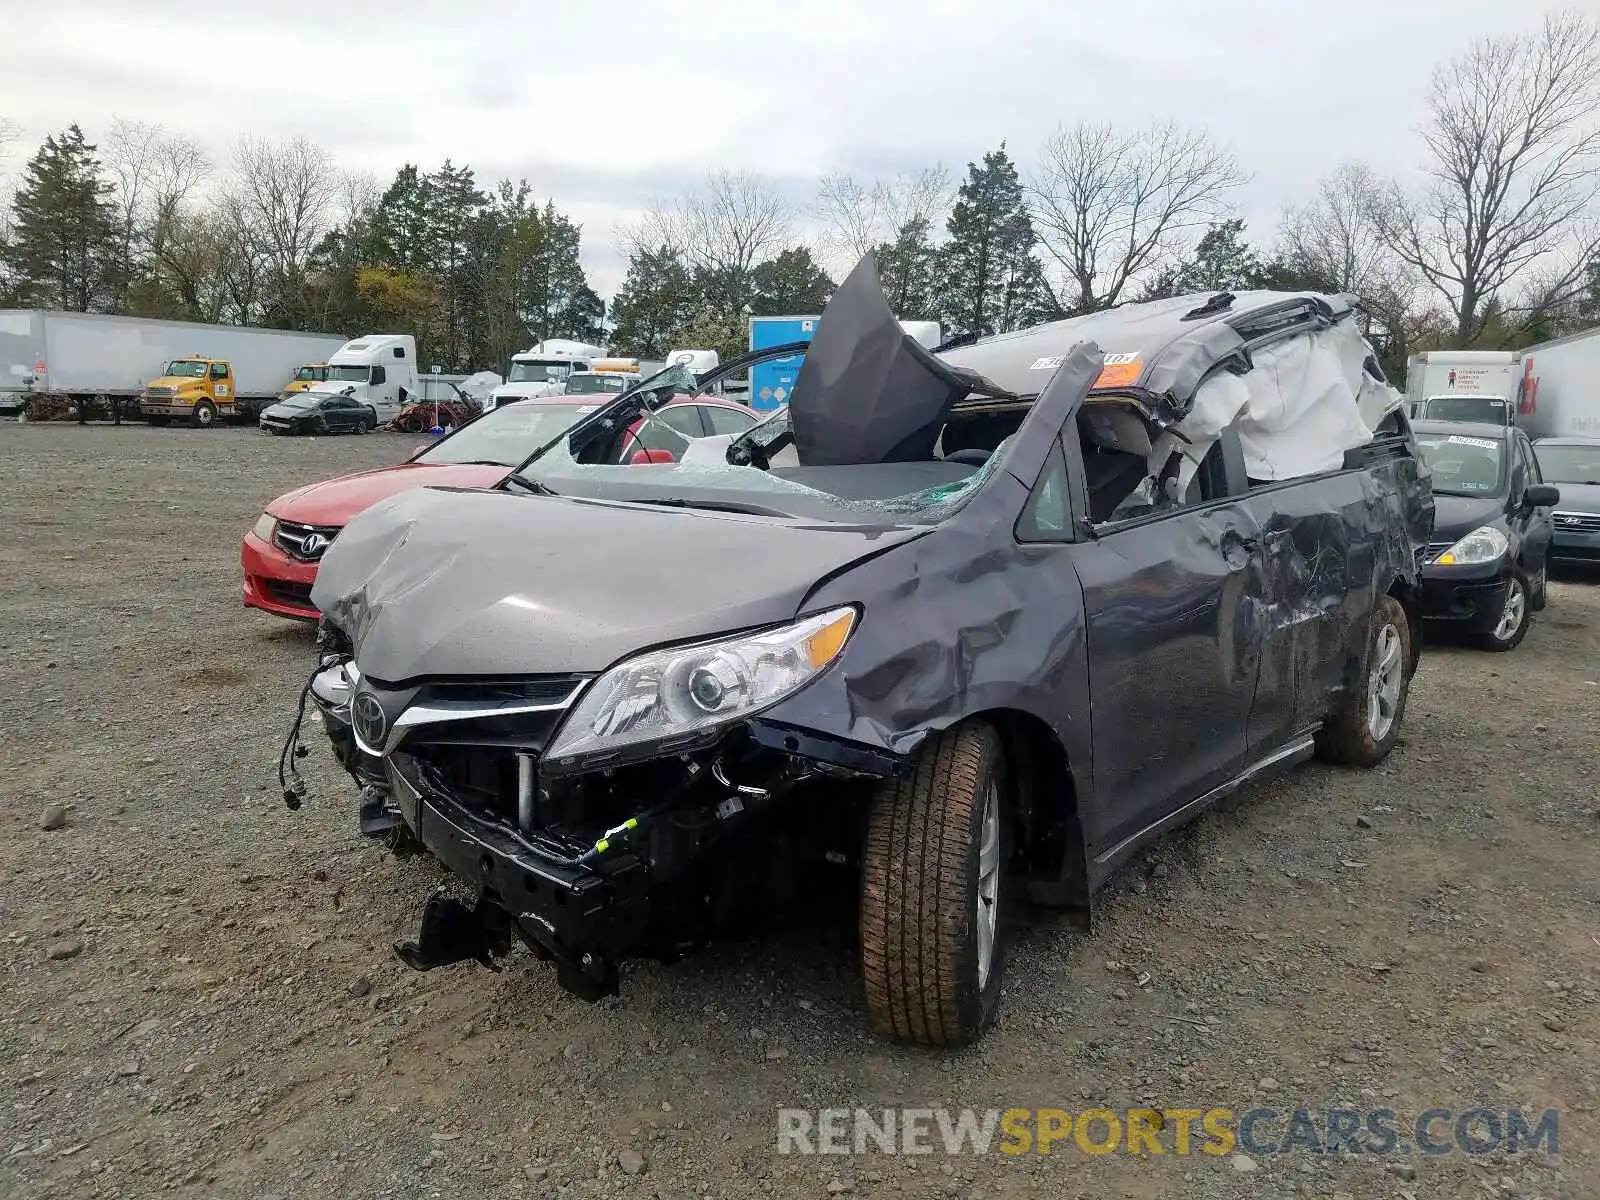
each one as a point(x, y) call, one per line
point(63, 247)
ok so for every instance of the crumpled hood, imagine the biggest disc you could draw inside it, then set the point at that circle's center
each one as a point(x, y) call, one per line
point(1456, 516)
point(437, 583)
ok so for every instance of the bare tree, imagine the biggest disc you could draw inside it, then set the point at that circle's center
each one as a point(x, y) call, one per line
point(155, 173)
point(1338, 236)
point(10, 131)
point(723, 230)
point(1512, 146)
point(286, 193)
point(1114, 207)
point(359, 194)
point(856, 219)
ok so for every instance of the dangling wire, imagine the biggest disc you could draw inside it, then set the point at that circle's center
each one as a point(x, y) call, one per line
point(294, 787)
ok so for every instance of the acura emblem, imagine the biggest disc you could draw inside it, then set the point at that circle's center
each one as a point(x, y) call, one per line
point(371, 725)
point(314, 543)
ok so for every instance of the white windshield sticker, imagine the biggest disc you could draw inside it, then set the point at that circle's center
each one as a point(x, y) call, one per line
point(1481, 443)
point(584, 410)
point(1046, 364)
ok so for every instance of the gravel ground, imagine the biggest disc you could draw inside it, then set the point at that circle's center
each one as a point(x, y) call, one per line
point(201, 1000)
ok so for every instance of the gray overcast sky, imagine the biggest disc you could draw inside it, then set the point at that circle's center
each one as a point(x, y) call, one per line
point(602, 105)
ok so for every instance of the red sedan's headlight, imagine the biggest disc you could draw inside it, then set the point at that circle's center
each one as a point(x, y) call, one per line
point(266, 527)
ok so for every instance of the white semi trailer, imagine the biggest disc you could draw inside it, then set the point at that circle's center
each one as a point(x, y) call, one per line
point(83, 355)
point(1561, 387)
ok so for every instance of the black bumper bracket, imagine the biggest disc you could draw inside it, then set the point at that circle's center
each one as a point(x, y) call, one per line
point(451, 933)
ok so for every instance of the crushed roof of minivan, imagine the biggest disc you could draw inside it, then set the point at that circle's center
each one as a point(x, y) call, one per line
point(1165, 347)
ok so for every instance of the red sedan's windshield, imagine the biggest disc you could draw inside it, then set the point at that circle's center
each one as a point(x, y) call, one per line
point(506, 435)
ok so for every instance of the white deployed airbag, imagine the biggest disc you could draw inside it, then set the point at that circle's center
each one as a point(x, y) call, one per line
point(1307, 401)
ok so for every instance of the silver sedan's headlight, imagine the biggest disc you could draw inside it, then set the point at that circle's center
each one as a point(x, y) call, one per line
point(1485, 544)
point(663, 695)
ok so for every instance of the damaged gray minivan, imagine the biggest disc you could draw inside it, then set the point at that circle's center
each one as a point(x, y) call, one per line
point(972, 625)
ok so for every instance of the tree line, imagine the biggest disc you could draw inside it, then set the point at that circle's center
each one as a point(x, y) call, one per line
point(1497, 245)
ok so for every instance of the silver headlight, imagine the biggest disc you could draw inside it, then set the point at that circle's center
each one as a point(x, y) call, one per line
point(1485, 544)
point(666, 694)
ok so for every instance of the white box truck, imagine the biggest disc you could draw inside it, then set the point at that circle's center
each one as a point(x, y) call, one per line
point(1463, 385)
point(79, 356)
point(1561, 387)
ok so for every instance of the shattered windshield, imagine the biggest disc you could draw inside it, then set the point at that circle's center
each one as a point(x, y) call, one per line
point(632, 454)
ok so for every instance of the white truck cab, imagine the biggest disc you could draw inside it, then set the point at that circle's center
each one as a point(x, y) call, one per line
point(542, 370)
point(380, 367)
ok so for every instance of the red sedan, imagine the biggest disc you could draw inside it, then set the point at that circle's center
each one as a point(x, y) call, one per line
point(281, 553)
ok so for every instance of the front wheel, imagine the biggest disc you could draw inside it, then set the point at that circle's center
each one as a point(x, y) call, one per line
point(1366, 725)
point(1515, 614)
point(205, 415)
point(933, 890)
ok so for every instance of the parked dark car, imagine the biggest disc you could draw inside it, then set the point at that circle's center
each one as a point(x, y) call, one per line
point(972, 627)
point(319, 412)
point(1485, 575)
point(1573, 463)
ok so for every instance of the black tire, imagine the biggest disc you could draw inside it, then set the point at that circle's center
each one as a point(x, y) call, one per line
point(1541, 588)
point(159, 422)
point(920, 895)
point(1519, 595)
point(1352, 736)
point(205, 415)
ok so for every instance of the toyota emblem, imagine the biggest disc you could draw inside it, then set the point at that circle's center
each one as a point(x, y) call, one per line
point(370, 723)
point(314, 543)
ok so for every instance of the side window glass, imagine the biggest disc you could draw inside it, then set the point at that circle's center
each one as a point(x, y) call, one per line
point(1047, 516)
point(726, 420)
point(684, 418)
point(218, 371)
point(378, 375)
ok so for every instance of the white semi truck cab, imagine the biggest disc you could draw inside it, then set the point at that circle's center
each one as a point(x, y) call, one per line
point(381, 368)
point(542, 370)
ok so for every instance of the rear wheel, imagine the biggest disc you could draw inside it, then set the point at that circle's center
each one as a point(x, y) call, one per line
point(1515, 613)
point(933, 939)
point(205, 415)
point(1365, 727)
